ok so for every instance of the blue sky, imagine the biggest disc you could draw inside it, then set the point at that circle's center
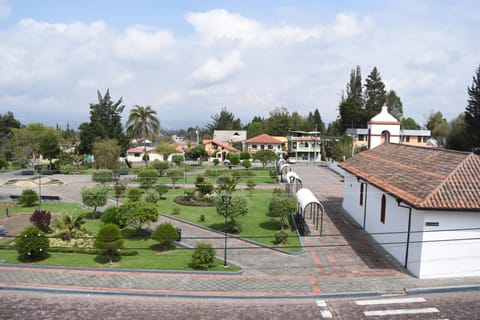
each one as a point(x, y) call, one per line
point(189, 59)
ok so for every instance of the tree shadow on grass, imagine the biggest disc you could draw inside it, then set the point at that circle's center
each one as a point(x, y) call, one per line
point(220, 227)
point(134, 234)
point(161, 249)
point(102, 259)
point(271, 225)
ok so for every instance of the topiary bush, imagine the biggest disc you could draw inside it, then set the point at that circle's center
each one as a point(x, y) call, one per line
point(134, 195)
point(203, 257)
point(109, 240)
point(32, 245)
point(281, 237)
point(165, 234)
point(41, 219)
point(28, 198)
point(102, 176)
point(147, 177)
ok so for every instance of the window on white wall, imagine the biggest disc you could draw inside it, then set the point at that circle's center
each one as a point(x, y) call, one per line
point(382, 209)
point(361, 194)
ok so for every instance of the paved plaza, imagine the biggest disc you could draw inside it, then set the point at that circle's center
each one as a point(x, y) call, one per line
point(344, 261)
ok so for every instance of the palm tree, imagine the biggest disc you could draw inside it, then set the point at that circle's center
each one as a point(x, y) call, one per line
point(67, 224)
point(143, 122)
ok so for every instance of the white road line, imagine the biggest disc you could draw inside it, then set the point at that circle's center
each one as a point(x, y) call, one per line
point(321, 303)
point(393, 312)
point(388, 301)
point(326, 314)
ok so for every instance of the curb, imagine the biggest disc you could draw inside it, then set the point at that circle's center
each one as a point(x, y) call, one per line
point(339, 295)
point(465, 288)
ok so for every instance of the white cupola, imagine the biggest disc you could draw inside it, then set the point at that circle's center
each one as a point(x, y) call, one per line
point(383, 128)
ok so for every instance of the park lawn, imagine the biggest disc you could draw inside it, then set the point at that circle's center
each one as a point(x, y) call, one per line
point(53, 207)
point(257, 225)
point(146, 259)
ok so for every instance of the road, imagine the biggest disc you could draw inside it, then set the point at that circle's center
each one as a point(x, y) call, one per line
point(37, 305)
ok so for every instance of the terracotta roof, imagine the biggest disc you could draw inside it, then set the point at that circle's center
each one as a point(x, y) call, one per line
point(140, 150)
point(224, 145)
point(264, 138)
point(425, 178)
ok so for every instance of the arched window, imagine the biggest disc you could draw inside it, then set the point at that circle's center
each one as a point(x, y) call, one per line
point(382, 210)
point(385, 136)
point(361, 194)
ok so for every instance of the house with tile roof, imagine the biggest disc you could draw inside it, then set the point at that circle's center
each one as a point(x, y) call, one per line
point(264, 142)
point(217, 149)
point(420, 204)
point(135, 155)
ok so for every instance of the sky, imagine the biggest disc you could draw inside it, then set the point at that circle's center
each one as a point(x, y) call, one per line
point(190, 59)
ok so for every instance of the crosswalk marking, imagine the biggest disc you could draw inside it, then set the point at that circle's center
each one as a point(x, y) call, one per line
point(321, 303)
point(392, 312)
point(388, 301)
point(326, 314)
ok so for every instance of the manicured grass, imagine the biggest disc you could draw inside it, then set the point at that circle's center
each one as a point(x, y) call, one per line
point(53, 207)
point(258, 226)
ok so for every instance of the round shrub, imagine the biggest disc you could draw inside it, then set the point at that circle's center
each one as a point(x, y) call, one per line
point(152, 196)
point(147, 177)
point(28, 198)
point(109, 239)
point(203, 257)
point(32, 245)
point(114, 215)
point(165, 234)
point(281, 237)
point(134, 194)
point(102, 176)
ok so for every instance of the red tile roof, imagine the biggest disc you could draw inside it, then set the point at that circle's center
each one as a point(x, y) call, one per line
point(425, 178)
point(264, 138)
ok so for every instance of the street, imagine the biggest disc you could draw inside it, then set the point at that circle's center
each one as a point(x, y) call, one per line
point(38, 305)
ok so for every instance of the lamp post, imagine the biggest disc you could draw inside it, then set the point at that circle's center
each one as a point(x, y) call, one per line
point(226, 198)
point(39, 189)
point(116, 177)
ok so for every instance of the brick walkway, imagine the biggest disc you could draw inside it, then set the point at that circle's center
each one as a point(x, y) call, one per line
point(342, 261)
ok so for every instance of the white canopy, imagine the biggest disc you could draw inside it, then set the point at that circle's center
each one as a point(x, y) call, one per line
point(305, 197)
point(293, 175)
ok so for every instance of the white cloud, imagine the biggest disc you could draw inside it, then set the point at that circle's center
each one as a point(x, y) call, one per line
point(232, 60)
point(140, 43)
point(215, 70)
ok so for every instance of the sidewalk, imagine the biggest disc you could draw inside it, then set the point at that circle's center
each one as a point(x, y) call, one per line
point(343, 262)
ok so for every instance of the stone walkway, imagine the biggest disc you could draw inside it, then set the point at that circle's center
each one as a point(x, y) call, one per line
point(343, 261)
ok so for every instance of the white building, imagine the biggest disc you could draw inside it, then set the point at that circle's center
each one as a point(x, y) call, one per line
point(421, 204)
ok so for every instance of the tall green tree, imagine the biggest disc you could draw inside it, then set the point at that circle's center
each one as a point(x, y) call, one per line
point(351, 108)
point(106, 153)
point(255, 127)
point(394, 104)
point(7, 123)
point(26, 142)
point(409, 124)
point(143, 123)
point(278, 124)
point(49, 145)
point(438, 126)
point(225, 120)
point(457, 137)
point(375, 94)
point(105, 123)
point(472, 112)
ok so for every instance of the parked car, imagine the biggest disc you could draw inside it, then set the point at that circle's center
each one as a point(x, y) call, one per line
point(292, 160)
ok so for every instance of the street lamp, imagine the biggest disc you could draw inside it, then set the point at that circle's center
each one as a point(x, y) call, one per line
point(226, 198)
point(116, 177)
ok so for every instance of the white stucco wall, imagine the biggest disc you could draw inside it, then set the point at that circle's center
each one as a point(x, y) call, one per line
point(391, 235)
point(431, 253)
point(459, 257)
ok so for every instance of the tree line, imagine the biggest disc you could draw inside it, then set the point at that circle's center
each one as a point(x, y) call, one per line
point(104, 135)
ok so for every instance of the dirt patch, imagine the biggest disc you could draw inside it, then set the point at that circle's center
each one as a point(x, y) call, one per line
point(14, 225)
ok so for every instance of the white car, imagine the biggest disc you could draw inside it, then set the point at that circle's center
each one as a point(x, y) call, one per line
point(292, 160)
